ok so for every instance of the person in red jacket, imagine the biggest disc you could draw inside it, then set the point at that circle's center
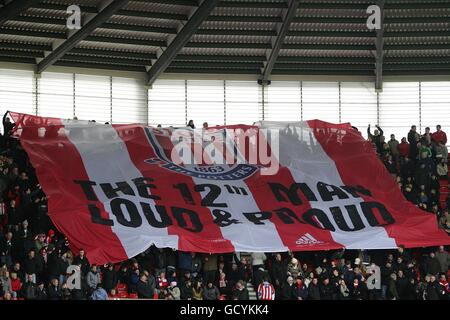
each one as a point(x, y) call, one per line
point(403, 148)
point(439, 135)
point(16, 284)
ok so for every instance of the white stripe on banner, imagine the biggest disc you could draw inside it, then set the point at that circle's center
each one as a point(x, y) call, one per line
point(312, 167)
point(245, 236)
point(115, 165)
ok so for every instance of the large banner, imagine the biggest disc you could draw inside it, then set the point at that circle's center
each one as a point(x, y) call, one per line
point(115, 190)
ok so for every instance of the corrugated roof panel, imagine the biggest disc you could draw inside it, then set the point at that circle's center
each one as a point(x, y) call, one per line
point(223, 51)
point(130, 34)
point(341, 13)
point(417, 41)
point(325, 53)
point(157, 7)
point(327, 26)
point(250, 12)
point(442, 12)
point(238, 25)
point(329, 40)
point(17, 38)
point(418, 27)
point(102, 46)
point(19, 25)
point(78, 2)
point(144, 21)
point(230, 38)
point(416, 53)
point(116, 46)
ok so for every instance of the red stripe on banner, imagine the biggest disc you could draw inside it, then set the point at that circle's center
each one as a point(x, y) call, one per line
point(99, 241)
point(413, 227)
point(210, 239)
point(290, 233)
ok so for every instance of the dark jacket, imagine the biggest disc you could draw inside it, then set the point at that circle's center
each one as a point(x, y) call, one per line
point(301, 291)
point(28, 291)
point(144, 290)
point(432, 291)
point(85, 265)
point(241, 294)
point(289, 292)
point(31, 265)
point(54, 293)
point(211, 293)
point(109, 279)
point(326, 292)
point(313, 292)
point(432, 266)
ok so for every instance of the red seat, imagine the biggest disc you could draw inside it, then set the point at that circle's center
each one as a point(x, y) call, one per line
point(121, 287)
point(123, 294)
point(133, 296)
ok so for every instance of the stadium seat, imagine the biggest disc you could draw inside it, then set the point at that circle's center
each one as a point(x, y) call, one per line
point(122, 287)
point(133, 296)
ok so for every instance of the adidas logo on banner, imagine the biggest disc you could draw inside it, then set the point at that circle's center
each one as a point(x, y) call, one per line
point(307, 239)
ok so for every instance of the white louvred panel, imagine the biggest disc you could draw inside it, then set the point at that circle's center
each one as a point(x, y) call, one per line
point(93, 98)
point(436, 105)
point(167, 103)
point(359, 104)
point(129, 101)
point(56, 95)
point(17, 91)
point(399, 108)
point(320, 100)
point(205, 102)
point(243, 102)
point(283, 101)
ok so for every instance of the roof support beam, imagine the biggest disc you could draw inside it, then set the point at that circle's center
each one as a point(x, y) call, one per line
point(81, 34)
point(379, 56)
point(289, 15)
point(180, 40)
point(14, 8)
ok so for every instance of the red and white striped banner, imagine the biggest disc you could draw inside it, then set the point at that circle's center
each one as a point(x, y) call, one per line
point(114, 190)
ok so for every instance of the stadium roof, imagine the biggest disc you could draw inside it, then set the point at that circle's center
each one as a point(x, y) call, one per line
point(257, 37)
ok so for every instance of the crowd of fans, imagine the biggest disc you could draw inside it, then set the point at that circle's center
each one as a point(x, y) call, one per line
point(34, 256)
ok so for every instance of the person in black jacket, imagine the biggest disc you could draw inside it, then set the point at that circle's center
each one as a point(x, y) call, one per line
point(279, 271)
point(186, 290)
point(402, 285)
point(143, 289)
point(41, 293)
point(432, 289)
point(28, 290)
point(326, 289)
point(432, 265)
point(54, 292)
point(377, 138)
point(31, 264)
point(241, 292)
point(82, 260)
point(314, 290)
point(386, 272)
point(109, 279)
point(413, 138)
point(289, 290)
